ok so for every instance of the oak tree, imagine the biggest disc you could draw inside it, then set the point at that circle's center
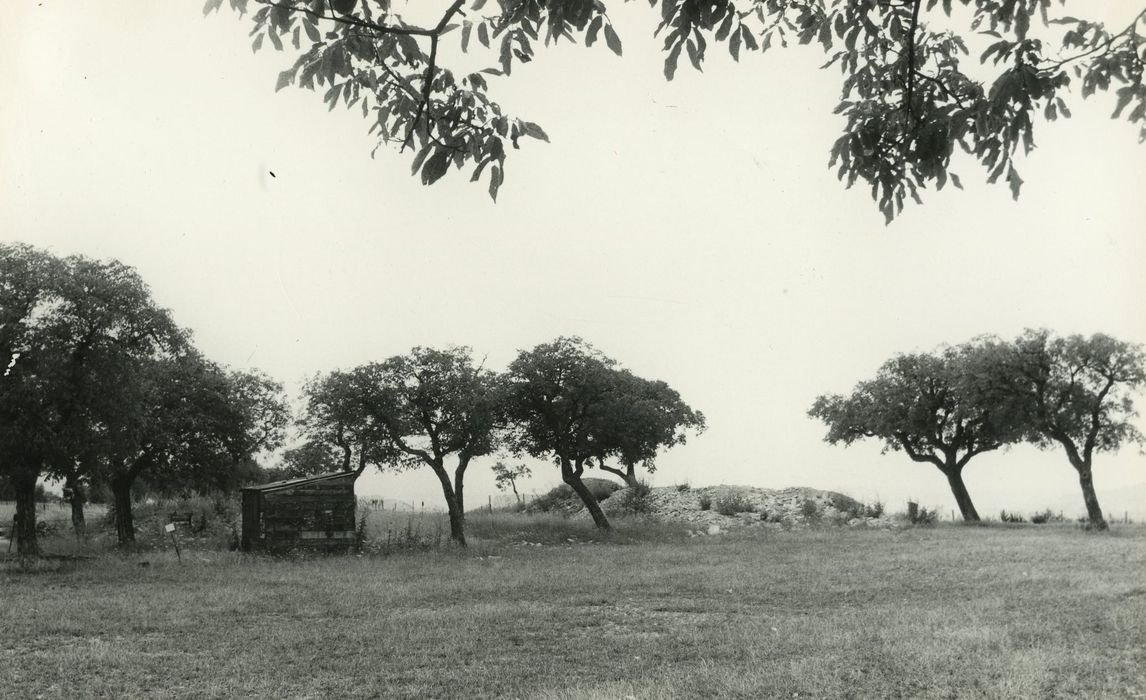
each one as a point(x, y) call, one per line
point(1076, 392)
point(923, 405)
point(557, 394)
point(921, 80)
point(641, 418)
point(189, 425)
point(73, 329)
point(416, 410)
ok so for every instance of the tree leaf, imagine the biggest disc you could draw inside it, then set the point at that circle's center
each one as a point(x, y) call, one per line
point(725, 26)
point(285, 79)
point(692, 55)
point(436, 166)
point(495, 177)
point(467, 28)
point(612, 40)
point(1124, 96)
point(671, 61)
point(734, 46)
point(312, 32)
point(594, 28)
point(535, 131)
point(421, 158)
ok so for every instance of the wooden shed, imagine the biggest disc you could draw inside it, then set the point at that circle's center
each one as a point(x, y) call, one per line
point(315, 512)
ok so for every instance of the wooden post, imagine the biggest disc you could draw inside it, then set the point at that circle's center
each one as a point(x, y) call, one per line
point(171, 529)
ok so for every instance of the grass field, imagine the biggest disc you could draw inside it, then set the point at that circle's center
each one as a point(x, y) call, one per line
point(948, 612)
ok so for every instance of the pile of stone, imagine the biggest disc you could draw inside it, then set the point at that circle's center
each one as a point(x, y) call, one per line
point(755, 507)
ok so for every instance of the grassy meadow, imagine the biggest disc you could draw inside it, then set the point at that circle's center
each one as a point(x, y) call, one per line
point(541, 607)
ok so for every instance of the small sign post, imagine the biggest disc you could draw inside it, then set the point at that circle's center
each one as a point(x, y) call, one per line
point(170, 527)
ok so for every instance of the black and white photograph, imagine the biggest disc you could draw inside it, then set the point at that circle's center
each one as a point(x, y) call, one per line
point(572, 349)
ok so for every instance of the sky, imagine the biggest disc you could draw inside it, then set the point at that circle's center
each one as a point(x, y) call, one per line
point(690, 230)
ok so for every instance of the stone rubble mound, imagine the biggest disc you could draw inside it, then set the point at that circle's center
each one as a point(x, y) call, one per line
point(787, 508)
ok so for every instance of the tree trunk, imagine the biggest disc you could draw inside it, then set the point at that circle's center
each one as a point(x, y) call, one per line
point(962, 498)
point(453, 506)
point(78, 523)
point(124, 523)
point(1093, 510)
point(77, 498)
point(459, 484)
point(25, 525)
point(631, 476)
point(573, 477)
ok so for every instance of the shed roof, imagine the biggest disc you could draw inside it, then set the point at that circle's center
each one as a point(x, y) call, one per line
point(288, 483)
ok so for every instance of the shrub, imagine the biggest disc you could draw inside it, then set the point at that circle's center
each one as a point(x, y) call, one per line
point(214, 519)
point(705, 501)
point(683, 487)
point(733, 504)
point(1011, 517)
point(847, 505)
point(810, 510)
point(46, 528)
point(635, 499)
point(917, 515)
point(1047, 516)
point(852, 508)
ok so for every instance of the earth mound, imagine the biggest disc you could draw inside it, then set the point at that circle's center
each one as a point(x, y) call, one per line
point(718, 508)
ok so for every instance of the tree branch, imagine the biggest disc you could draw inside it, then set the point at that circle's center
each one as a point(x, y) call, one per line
point(911, 71)
point(1101, 47)
point(429, 81)
point(353, 21)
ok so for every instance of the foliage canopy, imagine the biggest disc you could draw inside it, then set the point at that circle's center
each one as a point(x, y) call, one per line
point(920, 79)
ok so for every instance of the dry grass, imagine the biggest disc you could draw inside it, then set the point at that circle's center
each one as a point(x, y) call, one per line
point(1037, 611)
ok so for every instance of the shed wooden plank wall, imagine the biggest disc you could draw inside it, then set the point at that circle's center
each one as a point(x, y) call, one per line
point(313, 515)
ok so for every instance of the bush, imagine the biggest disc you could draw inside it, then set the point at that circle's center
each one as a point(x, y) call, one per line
point(683, 487)
point(810, 510)
point(1047, 516)
point(1011, 517)
point(705, 501)
point(852, 508)
point(917, 515)
point(214, 518)
point(47, 528)
point(847, 505)
point(635, 499)
point(733, 504)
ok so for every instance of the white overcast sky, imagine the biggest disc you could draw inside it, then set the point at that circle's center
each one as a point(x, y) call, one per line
point(691, 230)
